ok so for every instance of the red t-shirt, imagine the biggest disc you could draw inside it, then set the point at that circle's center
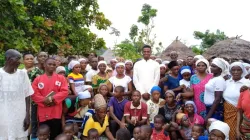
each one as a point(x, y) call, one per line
point(137, 113)
point(159, 136)
point(244, 103)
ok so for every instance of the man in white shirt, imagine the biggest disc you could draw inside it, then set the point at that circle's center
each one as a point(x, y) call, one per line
point(146, 73)
point(93, 71)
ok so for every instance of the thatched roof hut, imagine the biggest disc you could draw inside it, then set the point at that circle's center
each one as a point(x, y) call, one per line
point(230, 49)
point(182, 50)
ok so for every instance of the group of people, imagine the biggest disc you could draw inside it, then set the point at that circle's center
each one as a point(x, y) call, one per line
point(150, 99)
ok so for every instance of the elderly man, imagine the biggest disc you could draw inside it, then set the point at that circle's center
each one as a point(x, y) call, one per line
point(173, 56)
point(15, 89)
point(146, 73)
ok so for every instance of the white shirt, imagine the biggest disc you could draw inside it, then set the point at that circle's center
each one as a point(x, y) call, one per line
point(232, 92)
point(184, 82)
point(146, 74)
point(153, 109)
point(214, 84)
point(120, 82)
point(90, 74)
point(14, 88)
point(88, 67)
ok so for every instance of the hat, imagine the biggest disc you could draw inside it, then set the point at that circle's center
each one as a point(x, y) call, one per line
point(221, 126)
point(60, 69)
point(155, 88)
point(72, 64)
point(179, 116)
point(84, 95)
point(99, 101)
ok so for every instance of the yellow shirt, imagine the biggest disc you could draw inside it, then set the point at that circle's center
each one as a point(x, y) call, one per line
point(93, 124)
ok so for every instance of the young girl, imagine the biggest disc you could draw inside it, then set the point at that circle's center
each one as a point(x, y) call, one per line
point(104, 91)
point(185, 72)
point(75, 79)
point(158, 132)
point(185, 127)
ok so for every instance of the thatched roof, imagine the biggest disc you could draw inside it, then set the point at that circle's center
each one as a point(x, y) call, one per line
point(230, 49)
point(182, 50)
point(108, 55)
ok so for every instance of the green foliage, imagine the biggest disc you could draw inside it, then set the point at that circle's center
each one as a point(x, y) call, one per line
point(209, 39)
point(2, 59)
point(197, 50)
point(126, 50)
point(55, 26)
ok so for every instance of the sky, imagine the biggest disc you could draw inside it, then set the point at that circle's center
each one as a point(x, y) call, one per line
point(178, 18)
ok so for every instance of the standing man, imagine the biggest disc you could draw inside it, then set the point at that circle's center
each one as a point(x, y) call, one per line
point(39, 70)
point(93, 71)
point(28, 61)
point(146, 73)
point(50, 91)
point(15, 89)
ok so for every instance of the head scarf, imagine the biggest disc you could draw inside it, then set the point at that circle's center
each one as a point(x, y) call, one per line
point(179, 116)
point(72, 64)
point(221, 126)
point(101, 85)
point(86, 87)
point(199, 57)
point(81, 59)
point(212, 119)
point(158, 59)
point(186, 69)
point(155, 88)
point(101, 62)
point(223, 65)
point(114, 60)
point(172, 64)
point(119, 64)
point(163, 65)
point(99, 101)
point(192, 103)
point(171, 92)
point(180, 60)
point(204, 61)
point(244, 71)
point(84, 95)
point(59, 69)
point(129, 61)
point(165, 62)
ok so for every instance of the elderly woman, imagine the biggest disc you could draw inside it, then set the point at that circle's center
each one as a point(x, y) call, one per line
point(99, 120)
point(214, 89)
point(198, 82)
point(191, 110)
point(232, 94)
point(101, 77)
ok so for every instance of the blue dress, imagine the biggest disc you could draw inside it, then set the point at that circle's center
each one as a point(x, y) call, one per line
point(172, 83)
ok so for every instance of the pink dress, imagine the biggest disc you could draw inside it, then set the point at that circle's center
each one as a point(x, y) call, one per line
point(197, 120)
point(199, 89)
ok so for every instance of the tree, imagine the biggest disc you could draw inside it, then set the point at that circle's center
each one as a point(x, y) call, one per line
point(197, 50)
point(56, 26)
point(209, 39)
point(115, 32)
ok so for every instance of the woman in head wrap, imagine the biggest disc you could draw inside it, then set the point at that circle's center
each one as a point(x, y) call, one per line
point(172, 81)
point(214, 89)
point(101, 77)
point(99, 120)
point(232, 93)
point(163, 70)
point(83, 62)
point(61, 70)
point(191, 111)
point(120, 79)
point(198, 82)
point(75, 79)
point(219, 131)
point(129, 68)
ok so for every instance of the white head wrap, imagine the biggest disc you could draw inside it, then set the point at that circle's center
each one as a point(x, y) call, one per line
point(72, 63)
point(158, 59)
point(192, 103)
point(199, 57)
point(119, 64)
point(84, 95)
point(180, 60)
point(204, 61)
point(114, 60)
point(246, 65)
point(163, 65)
point(59, 69)
point(244, 71)
point(129, 61)
point(185, 70)
point(165, 62)
point(222, 64)
point(221, 126)
point(102, 62)
point(81, 59)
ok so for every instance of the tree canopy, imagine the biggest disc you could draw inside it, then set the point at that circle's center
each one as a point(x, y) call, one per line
point(55, 26)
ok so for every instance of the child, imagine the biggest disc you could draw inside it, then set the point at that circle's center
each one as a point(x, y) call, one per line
point(123, 134)
point(93, 134)
point(209, 122)
point(75, 79)
point(62, 137)
point(43, 132)
point(116, 110)
point(158, 132)
point(185, 82)
point(136, 133)
point(104, 91)
point(69, 131)
point(197, 131)
point(146, 132)
point(185, 127)
point(154, 104)
point(219, 130)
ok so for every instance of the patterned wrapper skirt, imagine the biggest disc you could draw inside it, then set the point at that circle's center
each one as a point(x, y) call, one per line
point(245, 128)
point(230, 117)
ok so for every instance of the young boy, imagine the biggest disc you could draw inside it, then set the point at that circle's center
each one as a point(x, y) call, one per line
point(93, 134)
point(135, 112)
point(197, 131)
point(158, 132)
point(62, 137)
point(136, 133)
point(116, 110)
point(69, 131)
point(123, 134)
point(43, 132)
point(146, 132)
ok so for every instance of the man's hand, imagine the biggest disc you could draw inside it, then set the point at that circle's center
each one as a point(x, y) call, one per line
point(243, 88)
point(48, 101)
point(26, 122)
point(146, 96)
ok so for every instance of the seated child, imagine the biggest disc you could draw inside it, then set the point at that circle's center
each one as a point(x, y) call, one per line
point(136, 133)
point(104, 91)
point(185, 126)
point(69, 131)
point(146, 132)
point(154, 104)
point(116, 110)
point(197, 131)
point(43, 132)
point(219, 130)
point(62, 137)
point(158, 132)
point(123, 134)
point(93, 134)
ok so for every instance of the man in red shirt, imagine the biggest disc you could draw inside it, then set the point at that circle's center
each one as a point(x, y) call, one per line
point(50, 91)
point(135, 112)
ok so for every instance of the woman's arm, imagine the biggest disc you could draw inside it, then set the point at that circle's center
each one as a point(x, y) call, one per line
point(239, 121)
point(72, 87)
point(217, 100)
point(130, 89)
point(110, 86)
point(108, 134)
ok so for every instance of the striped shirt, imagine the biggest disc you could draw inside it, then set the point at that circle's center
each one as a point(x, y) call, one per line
point(78, 80)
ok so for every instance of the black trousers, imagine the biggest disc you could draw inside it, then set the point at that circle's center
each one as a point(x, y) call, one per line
point(113, 126)
point(34, 122)
point(55, 127)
